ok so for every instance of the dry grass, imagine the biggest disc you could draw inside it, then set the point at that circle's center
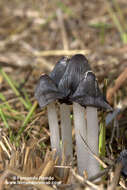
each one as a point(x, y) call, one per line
point(33, 36)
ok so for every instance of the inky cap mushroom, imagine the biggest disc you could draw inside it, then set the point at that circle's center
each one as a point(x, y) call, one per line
point(89, 94)
point(76, 68)
point(46, 91)
point(47, 87)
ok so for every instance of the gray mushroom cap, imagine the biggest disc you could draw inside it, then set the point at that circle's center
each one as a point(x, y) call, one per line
point(59, 69)
point(71, 80)
point(46, 91)
point(89, 94)
point(75, 70)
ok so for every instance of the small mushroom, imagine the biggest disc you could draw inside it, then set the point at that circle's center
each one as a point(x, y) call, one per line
point(46, 92)
point(89, 95)
point(76, 69)
point(47, 87)
point(66, 129)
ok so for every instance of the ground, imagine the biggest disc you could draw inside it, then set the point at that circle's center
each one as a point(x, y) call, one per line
point(33, 35)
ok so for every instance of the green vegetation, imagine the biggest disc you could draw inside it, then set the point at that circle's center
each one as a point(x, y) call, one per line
point(118, 19)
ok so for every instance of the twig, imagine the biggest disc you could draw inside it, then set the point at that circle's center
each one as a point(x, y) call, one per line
point(115, 129)
point(45, 53)
point(4, 148)
point(100, 174)
point(115, 179)
point(92, 153)
point(83, 181)
point(118, 83)
point(61, 52)
point(63, 31)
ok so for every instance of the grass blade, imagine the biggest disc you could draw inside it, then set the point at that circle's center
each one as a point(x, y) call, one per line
point(4, 119)
point(27, 119)
point(6, 77)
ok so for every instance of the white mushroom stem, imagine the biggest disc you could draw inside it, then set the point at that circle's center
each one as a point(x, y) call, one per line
point(80, 130)
point(54, 128)
point(66, 131)
point(92, 139)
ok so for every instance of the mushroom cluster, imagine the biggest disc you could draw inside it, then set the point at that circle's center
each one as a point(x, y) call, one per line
point(73, 82)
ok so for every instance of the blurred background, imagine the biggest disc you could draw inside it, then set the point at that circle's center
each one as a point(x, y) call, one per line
point(28, 28)
point(34, 35)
